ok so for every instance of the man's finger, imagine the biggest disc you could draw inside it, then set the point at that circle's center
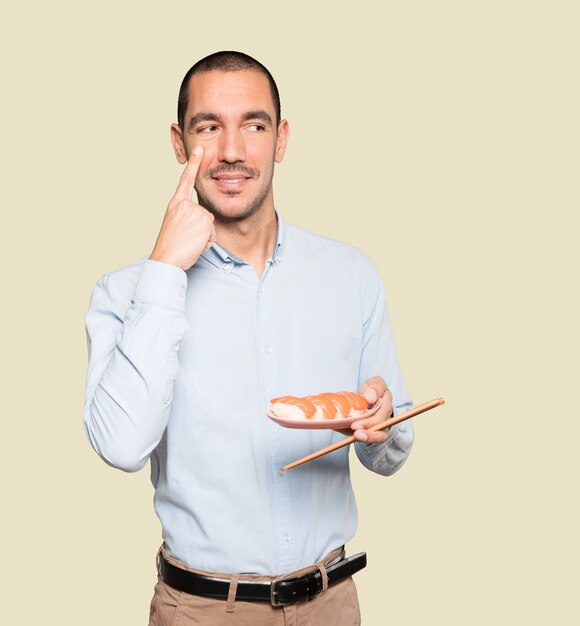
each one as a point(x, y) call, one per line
point(383, 413)
point(373, 388)
point(187, 181)
point(211, 240)
point(370, 393)
point(377, 418)
point(379, 436)
point(361, 428)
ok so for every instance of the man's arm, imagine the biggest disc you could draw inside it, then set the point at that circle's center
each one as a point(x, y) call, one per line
point(132, 341)
point(382, 452)
point(133, 335)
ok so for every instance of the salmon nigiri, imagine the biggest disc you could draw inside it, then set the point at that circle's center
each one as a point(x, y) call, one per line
point(291, 406)
point(322, 406)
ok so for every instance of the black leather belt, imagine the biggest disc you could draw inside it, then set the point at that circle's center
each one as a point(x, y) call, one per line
point(279, 591)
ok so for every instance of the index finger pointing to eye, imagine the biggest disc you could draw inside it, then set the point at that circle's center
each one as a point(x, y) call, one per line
point(187, 180)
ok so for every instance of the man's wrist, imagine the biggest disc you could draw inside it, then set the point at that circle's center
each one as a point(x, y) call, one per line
point(161, 283)
point(163, 259)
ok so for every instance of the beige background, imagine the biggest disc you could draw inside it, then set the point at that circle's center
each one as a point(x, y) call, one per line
point(440, 137)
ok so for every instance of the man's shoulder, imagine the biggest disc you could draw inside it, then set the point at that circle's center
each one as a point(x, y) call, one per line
point(313, 245)
point(299, 236)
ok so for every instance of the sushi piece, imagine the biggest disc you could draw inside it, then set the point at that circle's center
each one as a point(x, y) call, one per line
point(326, 406)
point(291, 406)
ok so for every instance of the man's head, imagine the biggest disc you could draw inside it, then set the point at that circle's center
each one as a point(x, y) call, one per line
point(225, 61)
point(229, 106)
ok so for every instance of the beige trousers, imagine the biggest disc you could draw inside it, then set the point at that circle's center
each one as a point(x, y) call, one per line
point(337, 606)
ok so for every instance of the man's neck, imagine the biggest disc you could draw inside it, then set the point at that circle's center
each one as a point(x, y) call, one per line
point(252, 239)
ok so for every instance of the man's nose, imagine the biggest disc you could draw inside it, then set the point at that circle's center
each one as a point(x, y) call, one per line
point(232, 147)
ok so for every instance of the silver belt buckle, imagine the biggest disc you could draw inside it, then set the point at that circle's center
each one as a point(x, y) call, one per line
point(273, 593)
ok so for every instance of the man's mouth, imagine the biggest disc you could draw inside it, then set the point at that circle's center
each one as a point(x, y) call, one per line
point(229, 181)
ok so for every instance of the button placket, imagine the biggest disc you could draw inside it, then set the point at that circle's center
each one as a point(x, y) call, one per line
point(281, 484)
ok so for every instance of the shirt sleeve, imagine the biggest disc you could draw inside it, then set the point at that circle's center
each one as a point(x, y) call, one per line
point(379, 358)
point(133, 336)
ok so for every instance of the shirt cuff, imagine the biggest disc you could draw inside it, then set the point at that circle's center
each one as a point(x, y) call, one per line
point(163, 284)
point(386, 458)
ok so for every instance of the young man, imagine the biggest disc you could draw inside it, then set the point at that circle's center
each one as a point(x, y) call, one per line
point(187, 346)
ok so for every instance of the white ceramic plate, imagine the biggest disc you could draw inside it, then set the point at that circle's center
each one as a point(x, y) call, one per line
point(343, 422)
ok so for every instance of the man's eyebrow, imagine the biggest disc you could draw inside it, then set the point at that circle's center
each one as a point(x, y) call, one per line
point(203, 117)
point(257, 115)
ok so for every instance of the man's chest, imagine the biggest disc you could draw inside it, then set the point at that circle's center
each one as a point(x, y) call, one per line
point(308, 321)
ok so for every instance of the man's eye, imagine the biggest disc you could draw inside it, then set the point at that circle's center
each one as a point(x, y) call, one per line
point(256, 127)
point(207, 129)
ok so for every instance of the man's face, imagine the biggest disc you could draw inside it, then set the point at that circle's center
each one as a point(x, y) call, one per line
point(232, 116)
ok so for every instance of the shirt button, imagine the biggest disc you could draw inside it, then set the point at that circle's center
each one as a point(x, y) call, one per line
point(286, 537)
point(278, 259)
point(268, 349)
point(182, 292)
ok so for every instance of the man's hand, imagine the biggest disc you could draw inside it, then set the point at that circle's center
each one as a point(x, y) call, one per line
point(187, 229)
point(373, 389)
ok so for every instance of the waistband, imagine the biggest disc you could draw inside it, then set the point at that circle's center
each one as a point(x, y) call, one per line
point(331, 558)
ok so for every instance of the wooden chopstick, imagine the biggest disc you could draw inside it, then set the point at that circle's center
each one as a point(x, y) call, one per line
point(380, 426)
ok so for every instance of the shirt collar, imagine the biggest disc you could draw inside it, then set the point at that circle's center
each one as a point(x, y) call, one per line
point(280, 240)
point(218, 255)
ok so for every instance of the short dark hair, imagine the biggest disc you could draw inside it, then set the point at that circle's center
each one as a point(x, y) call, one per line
point(224, 61)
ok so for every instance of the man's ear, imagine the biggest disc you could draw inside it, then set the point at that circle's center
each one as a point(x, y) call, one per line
point(178, 144)
point(283, 133)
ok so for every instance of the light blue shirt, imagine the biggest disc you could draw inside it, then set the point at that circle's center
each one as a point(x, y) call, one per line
point(182, 366)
